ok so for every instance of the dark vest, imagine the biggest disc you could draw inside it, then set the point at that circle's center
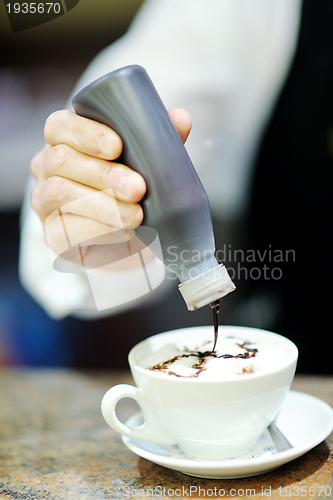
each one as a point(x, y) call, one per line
point(292, 191)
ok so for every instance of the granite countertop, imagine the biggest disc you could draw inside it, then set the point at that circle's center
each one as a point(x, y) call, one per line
point(54, 444)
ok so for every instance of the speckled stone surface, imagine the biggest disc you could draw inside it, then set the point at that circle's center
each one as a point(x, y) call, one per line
point(54, 444)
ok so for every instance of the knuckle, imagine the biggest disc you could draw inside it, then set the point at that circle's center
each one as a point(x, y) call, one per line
point(89, 130)
point(37, 163)
point(34, 166)
point(34, 199)
point(103, 141)
point(54, 233)
point(59, 156)
point(103, 174)
point(53, 122)
point(53, 191)
point(50, 124)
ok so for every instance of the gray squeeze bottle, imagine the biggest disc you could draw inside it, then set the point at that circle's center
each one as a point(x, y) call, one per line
point(176, 204)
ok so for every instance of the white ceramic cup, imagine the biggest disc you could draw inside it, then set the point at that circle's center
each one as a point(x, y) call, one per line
point(207, 419)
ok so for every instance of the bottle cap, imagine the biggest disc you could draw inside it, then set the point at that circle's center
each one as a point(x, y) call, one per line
point(205, 288)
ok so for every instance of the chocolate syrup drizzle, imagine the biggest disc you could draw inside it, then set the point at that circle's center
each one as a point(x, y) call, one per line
point(199, 365)
point(216, 309)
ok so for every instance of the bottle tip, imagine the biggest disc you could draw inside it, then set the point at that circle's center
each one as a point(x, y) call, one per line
point(215, 304)
point(206, 288)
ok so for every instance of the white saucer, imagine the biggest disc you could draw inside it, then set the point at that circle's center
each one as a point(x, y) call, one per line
point(305, 420)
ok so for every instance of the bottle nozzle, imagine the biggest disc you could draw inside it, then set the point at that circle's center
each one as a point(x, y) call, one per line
point(215, 304)
point(207, 288)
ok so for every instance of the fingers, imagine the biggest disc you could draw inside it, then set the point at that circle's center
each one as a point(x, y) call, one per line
point(182, 121)
point(80, 149)
point(82, 134)
point(107, 253)
point(80, 189)
point(65, 231)
point(74, 154)
point(95, 139)
point(71, 197)
point(64, 161)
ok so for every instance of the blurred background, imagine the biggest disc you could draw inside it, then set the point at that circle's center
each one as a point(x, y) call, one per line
point(38, 70)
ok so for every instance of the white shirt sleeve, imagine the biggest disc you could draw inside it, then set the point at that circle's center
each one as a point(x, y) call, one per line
point(222, 60)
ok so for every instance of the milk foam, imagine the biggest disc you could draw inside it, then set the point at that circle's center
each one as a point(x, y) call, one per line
point(246, 357)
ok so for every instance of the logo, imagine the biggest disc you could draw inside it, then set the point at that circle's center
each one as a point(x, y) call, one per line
point(120, 264)
point(24, 15)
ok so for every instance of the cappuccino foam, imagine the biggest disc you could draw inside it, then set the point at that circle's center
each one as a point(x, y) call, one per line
point(233, 357)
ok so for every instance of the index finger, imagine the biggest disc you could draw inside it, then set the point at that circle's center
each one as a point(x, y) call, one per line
point(85, 135)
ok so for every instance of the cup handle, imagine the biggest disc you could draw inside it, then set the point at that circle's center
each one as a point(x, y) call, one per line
point(150, 430)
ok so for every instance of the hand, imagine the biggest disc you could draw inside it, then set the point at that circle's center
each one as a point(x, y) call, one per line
point(83, 196)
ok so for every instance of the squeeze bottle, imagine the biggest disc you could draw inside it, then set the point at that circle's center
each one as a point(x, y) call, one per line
point(176, 204)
